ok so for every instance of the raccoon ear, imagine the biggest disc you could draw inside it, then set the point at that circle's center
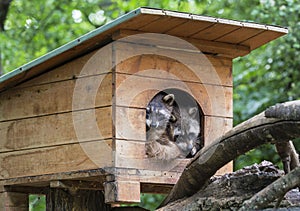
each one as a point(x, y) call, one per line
point(173, 118)
point(169, 99)
point(193, 112)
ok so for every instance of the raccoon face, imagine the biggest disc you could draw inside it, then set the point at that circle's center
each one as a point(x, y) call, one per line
point(187, 132)
point(159, 112)
point(158, 118)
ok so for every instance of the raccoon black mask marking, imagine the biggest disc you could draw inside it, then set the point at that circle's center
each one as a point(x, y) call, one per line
point(187, 131)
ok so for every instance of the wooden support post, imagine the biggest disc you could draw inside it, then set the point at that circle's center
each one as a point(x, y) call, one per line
point(118, 191)
point(13, 201)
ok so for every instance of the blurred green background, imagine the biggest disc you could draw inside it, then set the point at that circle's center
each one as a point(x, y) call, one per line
point(267, 76)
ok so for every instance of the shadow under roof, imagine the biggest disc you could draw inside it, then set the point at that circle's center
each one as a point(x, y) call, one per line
point(206, 30)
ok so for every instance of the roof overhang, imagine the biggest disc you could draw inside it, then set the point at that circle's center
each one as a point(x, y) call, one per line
point(211, 35)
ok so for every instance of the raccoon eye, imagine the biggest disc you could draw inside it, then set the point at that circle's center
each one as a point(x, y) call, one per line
point(173, 118)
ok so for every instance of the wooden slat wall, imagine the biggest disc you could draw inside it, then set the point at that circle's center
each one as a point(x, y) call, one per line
point(61, 158)
point(37, 130)
point(142, 71)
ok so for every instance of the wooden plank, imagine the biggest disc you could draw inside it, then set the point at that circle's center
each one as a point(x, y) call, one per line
point(39, 181)
point(130, 123)
point(90, 64)
point(156, 188)
point(179, 43)
point(76, 185)
point(137, 91)
point(261, 39)
point(239, 35)
point(189, 28)
point(189, 71)
point(162, 24)
point(228, 168)
point(131, 155)
point(150, 175)
point(49, 160)
point(138, 22)
point(124, 50)
point(215, 127)
point(56, 129)
point(56, 97)
point(118, 192)
point(11, 201)
point(215, 31)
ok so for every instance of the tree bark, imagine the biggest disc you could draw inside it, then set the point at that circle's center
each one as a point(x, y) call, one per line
point(81, 200)
point(228, 192)
point(278, 124)
point(4, 6)
point(274, 191)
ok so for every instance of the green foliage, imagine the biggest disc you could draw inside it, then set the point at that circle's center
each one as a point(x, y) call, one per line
point(37, 203)
point(151, 201)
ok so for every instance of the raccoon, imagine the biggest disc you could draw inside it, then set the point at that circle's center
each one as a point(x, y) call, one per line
point(159, 126)
point(187, 131)
point(159, 113)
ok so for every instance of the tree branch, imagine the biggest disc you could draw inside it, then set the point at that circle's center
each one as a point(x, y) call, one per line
point(244, 137)
point(4, 6)
point(274, 191)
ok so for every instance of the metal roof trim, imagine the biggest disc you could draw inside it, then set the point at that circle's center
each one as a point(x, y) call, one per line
point(69, 45)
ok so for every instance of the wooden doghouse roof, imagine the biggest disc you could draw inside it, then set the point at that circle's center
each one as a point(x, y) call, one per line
point(211, 35)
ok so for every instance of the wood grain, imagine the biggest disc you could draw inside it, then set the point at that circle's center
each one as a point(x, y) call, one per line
point(57, 159)
point(55, 130)
point(86, 65)
point(186, 70)
point(56, 97)
point(143, 89)
point(122, 192)
point(203, 43)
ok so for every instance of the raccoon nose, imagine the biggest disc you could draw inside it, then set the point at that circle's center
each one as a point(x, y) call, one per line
point(154, 124)
point(190, 146)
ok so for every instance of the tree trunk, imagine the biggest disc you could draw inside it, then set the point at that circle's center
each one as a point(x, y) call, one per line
point(4, 6)
point(81, 200)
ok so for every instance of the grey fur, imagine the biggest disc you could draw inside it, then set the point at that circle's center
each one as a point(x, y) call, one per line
point(187, 131)
point(160, 140)
point(171, 132)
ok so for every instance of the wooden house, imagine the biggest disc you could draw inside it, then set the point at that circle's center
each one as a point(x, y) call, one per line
point(77, 114)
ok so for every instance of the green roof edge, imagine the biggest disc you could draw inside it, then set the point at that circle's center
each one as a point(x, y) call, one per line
point(69, 45)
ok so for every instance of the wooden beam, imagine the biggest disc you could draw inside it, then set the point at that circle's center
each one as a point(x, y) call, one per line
point(76, 185)
point(55, 130)
point(44, 180)
point(122, 192)
point(206, 46)
point(56, 159)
